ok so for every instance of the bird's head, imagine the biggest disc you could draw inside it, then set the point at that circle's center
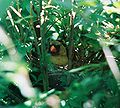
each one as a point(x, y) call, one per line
point(54, 48)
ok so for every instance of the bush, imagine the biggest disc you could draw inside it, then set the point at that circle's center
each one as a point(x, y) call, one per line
point(84, 73)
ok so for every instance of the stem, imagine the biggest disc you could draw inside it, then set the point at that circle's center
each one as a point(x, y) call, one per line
point(18, 6)
point(33, 29)
point(40, 3)
point(111, 1)
point(71, 44)
point(43, 51)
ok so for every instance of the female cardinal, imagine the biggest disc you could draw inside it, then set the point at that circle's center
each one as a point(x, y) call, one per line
point(58, 53)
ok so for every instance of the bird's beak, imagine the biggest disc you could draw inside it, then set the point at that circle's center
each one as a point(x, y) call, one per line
point(53, 49)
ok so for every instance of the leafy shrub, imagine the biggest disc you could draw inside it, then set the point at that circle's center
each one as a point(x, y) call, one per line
point(89, 30)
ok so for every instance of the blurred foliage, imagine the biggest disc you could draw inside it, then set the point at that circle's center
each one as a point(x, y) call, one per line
point(87, 81)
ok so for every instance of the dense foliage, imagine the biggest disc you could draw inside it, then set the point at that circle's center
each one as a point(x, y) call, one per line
point(89, 30)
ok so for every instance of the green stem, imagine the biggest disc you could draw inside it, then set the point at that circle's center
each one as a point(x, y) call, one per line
point(40, 3)
point(43, 51)
point(33, 29)
point(18, 7)
point(71, 44)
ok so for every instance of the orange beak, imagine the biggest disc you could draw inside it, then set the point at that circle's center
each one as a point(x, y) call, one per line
point(53, 49)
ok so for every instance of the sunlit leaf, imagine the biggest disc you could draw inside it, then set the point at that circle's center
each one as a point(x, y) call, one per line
point(117, 4)
point(110, 10)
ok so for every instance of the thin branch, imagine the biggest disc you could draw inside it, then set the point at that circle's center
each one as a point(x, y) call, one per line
point(43, 50)
point(71, 43)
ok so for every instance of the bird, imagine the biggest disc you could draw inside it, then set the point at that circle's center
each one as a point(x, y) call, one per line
point(58, 53)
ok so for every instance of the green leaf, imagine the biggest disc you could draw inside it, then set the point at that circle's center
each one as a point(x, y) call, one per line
point(3, 6)
point(88, 3)
point(91, 35)
point(22, 19)
point(65, 5)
